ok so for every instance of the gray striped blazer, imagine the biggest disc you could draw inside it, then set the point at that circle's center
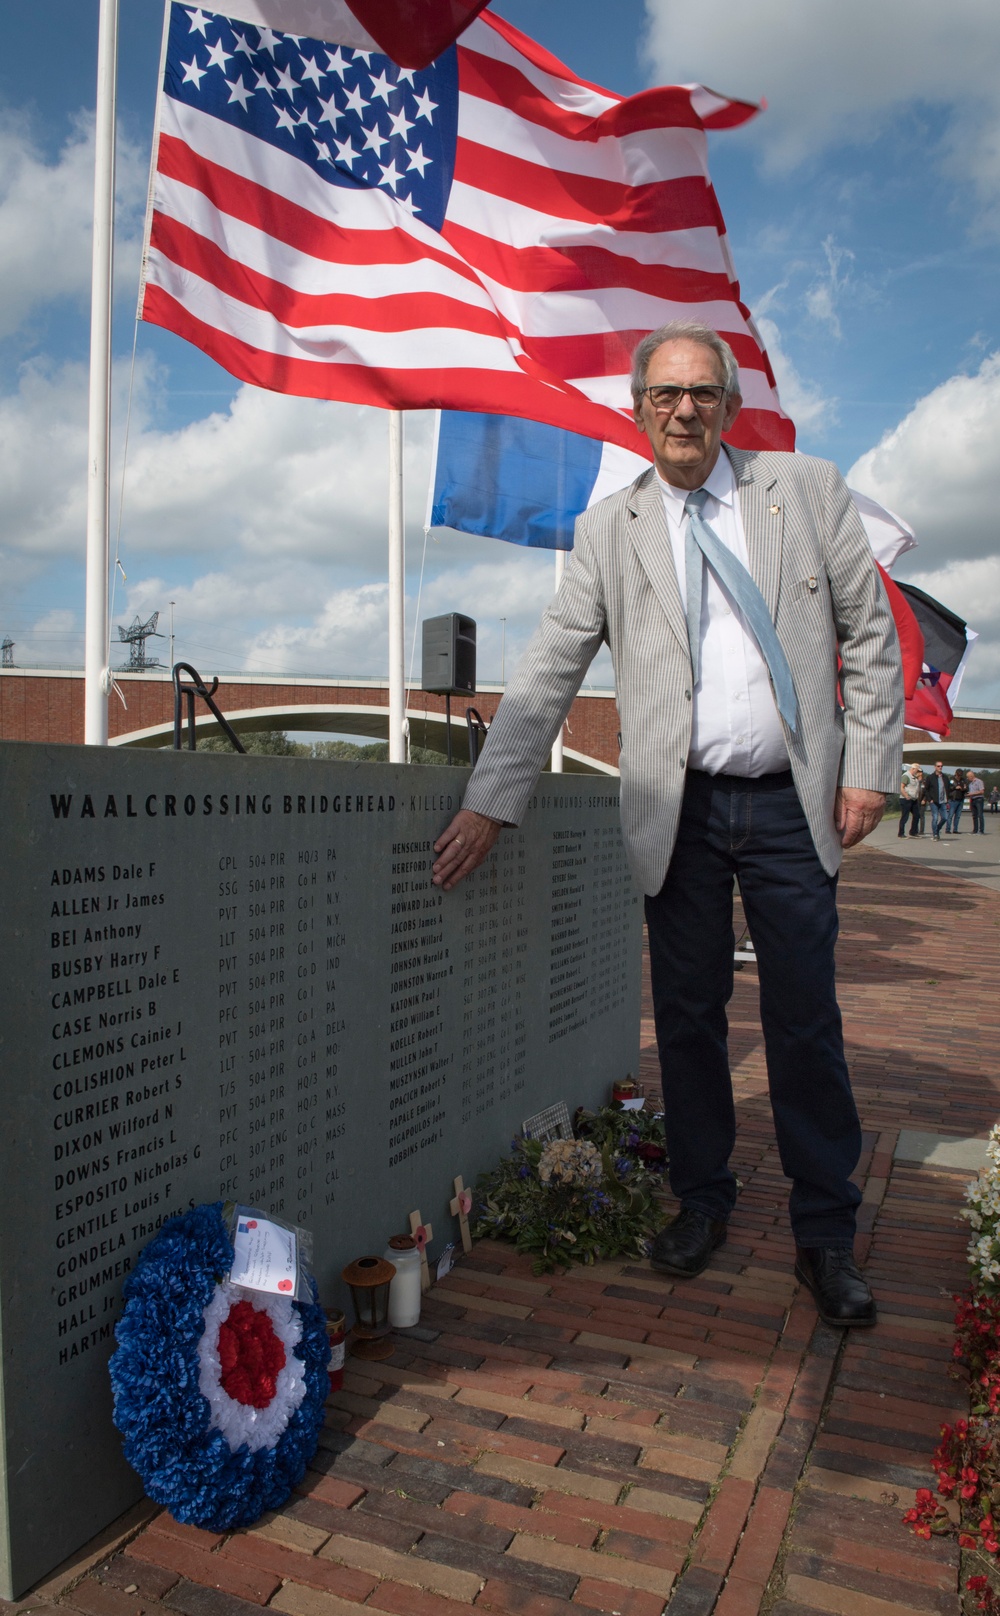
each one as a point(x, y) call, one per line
point(812, 563)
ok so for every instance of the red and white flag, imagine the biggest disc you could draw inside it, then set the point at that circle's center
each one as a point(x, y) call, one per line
point(490, 233)
point(412, 32)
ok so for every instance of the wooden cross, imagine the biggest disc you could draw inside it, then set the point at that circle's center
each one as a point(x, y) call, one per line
point(460, 1208)
point(422, 1233)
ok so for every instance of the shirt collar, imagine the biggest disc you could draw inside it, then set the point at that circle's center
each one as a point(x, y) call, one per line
point(720, 483)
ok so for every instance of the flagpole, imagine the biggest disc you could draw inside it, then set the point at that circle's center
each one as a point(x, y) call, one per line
point(397, 688)
point(557, 745)
point(95, 729)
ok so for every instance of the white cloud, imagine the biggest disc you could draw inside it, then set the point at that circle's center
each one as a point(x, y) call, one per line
point(265, 523)
point(43, 460)
point(939, 468)
point(53, 639)
point(306, 619)
point(972, 589)
point(802, 400)
point(347, 634)
point(268, 476)
point(45, 219)
point(514, 583)
point(823, 296)
point(837, 71)
point(272, 475)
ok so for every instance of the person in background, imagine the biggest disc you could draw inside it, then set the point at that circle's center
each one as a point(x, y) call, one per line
point(919, 814)
point(994, 799)
point(909, 800)
point(937, 795)
point(956, 801)
point(976, 791)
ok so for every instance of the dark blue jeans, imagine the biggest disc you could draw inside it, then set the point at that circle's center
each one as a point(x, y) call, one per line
point(754, 831)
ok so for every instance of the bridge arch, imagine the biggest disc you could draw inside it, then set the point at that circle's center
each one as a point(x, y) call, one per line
point(427, 728)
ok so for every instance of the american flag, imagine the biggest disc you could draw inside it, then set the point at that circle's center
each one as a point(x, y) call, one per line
point(489, 233)
point(412, 32)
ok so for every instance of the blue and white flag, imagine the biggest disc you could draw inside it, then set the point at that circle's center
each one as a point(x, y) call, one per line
point(527, 483)
point(520, 481)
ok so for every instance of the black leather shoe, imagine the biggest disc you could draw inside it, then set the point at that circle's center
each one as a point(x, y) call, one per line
point(685, 1246)
point(839, 1290)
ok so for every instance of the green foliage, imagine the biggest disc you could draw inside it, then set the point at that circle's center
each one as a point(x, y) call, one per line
point(630, 1133)
point(275, 743)
point(259, 743)
point(575, 1200)
point(375, 752)
point(423, 754)
point(348, 752)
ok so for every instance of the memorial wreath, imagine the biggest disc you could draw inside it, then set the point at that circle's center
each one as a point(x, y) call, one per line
point(578, 1200)
point(218, 1391)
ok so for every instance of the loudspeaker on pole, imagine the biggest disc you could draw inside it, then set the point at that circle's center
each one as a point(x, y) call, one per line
point(448, 665)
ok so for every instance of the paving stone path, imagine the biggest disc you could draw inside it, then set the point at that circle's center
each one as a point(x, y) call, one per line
point(608, 1442)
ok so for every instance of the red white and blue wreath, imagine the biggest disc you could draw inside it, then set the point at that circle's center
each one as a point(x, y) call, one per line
point(218, 1391)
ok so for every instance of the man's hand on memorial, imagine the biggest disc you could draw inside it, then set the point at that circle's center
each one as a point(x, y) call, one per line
point(463, 847)
point(856, 813)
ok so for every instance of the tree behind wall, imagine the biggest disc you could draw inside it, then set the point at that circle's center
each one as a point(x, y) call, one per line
point(275, 743)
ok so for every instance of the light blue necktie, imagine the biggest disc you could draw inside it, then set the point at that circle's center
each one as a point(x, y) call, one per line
point(703, 544)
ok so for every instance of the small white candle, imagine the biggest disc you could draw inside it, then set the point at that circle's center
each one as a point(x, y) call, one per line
point(404, 1291)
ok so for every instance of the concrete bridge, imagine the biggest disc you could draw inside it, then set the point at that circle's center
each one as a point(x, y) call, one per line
point(46, 704)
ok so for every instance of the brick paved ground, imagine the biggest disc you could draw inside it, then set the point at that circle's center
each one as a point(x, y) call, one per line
point(610, 1443)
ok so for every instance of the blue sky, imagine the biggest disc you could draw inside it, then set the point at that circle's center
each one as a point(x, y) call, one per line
point(863, 210)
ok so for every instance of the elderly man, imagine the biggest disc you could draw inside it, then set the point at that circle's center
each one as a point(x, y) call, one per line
point(910, 793)
point(727, 584)
point(976, 792)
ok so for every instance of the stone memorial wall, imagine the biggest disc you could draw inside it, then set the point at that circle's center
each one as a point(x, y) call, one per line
point(230, 977)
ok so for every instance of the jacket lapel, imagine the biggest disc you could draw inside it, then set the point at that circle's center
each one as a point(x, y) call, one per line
point(762, 509)
point(648, 532)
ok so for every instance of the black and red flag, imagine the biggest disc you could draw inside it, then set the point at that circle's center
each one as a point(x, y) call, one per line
point(947, 641)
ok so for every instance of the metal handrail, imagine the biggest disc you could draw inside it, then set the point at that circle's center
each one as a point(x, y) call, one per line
point(185, 694)
point(477, 727)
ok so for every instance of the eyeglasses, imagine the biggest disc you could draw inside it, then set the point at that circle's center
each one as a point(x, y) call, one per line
point(665, 397)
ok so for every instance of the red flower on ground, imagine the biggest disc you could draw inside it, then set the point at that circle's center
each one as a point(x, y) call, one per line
point(966, 1462)
point(970, 1482)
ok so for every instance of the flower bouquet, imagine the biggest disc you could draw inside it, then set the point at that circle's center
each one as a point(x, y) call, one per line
point(635, 1135)
point(982, 1211)
point(576, 1200)
point(965, 1501)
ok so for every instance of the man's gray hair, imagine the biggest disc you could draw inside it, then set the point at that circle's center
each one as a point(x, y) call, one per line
point(686, 331)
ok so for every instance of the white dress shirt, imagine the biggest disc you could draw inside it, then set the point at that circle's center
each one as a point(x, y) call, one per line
point(735, 725)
